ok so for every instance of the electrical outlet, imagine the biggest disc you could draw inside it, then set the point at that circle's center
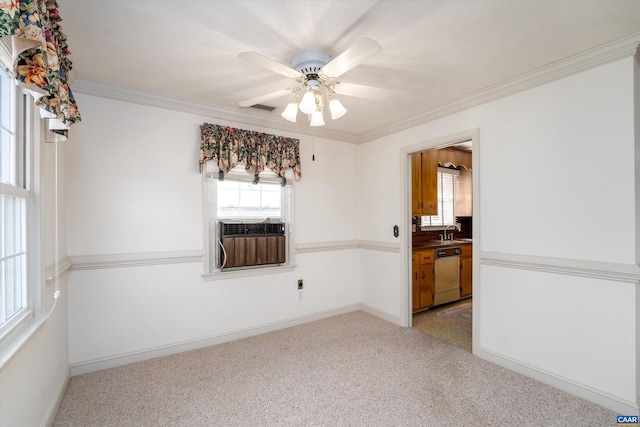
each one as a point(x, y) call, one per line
point(300, 295)
point(300, 284)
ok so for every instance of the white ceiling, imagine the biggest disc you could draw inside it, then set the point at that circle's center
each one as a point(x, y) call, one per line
point(435, 53)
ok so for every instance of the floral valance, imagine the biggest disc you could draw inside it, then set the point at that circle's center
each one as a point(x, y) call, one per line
point(35, 46)
point(229, 146)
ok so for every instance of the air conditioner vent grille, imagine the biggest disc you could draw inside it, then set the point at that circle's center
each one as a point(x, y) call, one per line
point(228, 229)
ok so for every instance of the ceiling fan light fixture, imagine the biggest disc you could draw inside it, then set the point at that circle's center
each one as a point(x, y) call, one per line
point(317, 119)
point(316, 72)
point(291, 111)
point(308, 103)
point(337, 109)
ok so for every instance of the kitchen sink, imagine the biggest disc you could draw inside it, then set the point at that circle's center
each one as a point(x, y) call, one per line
point(451, 242)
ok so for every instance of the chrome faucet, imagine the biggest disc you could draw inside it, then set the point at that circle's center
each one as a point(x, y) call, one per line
point(450, 235)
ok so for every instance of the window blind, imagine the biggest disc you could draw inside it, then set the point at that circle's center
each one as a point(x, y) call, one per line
point(446, 182)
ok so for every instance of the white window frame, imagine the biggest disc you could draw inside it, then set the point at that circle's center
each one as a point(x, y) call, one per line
point(18, 328)
point(210, 220)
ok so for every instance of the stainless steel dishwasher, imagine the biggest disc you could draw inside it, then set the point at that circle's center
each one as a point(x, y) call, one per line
point(447, 275)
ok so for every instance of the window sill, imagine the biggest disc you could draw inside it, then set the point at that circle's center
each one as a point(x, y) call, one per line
point(19, 337)
point(235, 274)
point(438, 228)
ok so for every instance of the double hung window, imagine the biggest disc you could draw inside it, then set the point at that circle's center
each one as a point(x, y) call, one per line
point(447, 183)
point(15, 293)
point(249, 224)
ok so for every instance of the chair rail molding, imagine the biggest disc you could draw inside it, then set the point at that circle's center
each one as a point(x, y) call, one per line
point(92, 262)
point(137, 259)
point(375, 245)
point(629, 273)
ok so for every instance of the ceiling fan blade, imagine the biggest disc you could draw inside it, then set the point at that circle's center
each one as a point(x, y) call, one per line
point(361, 91)
point(269, 64)
point(259, 99)
point(351, 57)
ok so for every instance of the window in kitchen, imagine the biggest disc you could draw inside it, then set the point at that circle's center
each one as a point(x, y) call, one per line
point(447, 182)
point(249, 224)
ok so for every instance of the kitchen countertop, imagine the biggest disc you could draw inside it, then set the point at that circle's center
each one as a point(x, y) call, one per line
point(429, 244)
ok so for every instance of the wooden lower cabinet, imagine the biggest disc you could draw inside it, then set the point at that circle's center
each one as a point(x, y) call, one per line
point(466, 285)
point(423, 279)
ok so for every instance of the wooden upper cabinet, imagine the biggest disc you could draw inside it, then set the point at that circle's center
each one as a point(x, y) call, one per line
point(424, 181)
point(424, 177)
point(416, 184)
point(456, 156)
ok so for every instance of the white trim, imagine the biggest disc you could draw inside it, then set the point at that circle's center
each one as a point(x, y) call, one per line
point(20, 336)
point(600, 55)
point(572, 387)
point(302, 248)
point(92, 262)
point(380, 314)
point(52, 410)
point(252, 117)
point(54, 272)
point(379, 246)
point(247, 272)
point(405, 192)
point(629, 273)
point(161, 351)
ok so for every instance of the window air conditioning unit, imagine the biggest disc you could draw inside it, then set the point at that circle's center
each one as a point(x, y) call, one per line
point(246, 244)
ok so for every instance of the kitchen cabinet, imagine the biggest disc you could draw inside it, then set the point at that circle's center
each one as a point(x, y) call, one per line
point(455, 156)
point(424, 179)
point(424, 183)
point(465, 270)
point(423, 279)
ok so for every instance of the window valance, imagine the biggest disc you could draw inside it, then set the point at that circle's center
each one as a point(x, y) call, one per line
point(229, 146)
point(35, 48)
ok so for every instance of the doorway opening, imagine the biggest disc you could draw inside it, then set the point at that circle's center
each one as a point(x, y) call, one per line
point(441, 242)
point(451, 322)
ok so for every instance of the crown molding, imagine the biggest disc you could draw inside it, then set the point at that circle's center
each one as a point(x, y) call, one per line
point(609, 52)
point(254, 117)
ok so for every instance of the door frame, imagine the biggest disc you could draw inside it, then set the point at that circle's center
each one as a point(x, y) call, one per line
point(406, 248)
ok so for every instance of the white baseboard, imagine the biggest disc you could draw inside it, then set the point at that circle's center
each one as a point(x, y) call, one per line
point(381, 314)
point(152, 353)
point(616, 404)
point(56, 401)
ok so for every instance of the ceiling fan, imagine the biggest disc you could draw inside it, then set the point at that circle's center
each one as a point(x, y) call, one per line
point(316, 74)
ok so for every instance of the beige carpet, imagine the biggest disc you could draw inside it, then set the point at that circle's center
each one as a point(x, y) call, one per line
point(449, 322)
point(348, 370)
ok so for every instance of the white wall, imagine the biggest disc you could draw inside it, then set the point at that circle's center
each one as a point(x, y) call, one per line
point(33, 380)
point(134, 187)
point(556, 211)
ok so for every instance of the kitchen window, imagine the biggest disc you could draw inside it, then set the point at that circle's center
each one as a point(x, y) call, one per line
point(447, 183)
point(249, 225)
